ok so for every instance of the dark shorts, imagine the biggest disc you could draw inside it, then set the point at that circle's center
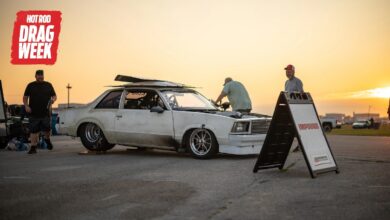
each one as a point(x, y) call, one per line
point(39, 124)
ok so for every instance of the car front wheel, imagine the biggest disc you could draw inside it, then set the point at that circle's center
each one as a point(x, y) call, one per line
point(202, 143)
point(93, 138)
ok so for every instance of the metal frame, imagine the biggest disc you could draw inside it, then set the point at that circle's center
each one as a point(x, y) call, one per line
point(265, 160)
point(5, 112)
point(3, 104)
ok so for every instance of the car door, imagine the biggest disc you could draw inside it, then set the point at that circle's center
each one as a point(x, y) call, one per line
point(137, 125)
point(105, 113)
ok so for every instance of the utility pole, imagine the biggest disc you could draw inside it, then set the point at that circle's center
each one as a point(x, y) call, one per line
point(68, 87)
point(369, 108)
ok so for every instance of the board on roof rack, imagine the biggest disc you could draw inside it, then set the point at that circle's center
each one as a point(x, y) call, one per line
point(138, 82)
point(123, 78)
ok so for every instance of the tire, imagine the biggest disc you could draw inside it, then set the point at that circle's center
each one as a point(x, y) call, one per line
point(93, 139)
point(3, 142)
point(327, 127)
point(202, 143)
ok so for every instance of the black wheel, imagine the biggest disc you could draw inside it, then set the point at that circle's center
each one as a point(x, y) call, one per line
point(327, 127)
point(3, 142)
point(93, 138)
point(202, 143)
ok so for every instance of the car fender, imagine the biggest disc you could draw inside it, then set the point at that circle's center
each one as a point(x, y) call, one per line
point(98, 123)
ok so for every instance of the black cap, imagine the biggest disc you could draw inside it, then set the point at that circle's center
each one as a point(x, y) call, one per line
point(39, 72)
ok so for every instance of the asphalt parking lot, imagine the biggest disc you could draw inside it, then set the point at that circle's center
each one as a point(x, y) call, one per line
point(132, 184)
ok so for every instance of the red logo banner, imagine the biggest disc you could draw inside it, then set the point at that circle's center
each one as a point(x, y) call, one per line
point(35, 37)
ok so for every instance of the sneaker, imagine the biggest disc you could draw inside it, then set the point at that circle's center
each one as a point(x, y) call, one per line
point(49, 144)
point(33, 150)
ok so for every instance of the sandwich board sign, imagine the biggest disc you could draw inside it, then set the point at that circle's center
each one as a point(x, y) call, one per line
point(2, 105)
point(295, 116)
point(3, 118)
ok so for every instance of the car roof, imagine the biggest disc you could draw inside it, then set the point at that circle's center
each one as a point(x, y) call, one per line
point(150, 83)
point(161, 89)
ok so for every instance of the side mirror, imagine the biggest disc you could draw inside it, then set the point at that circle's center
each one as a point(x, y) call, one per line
point(157, 109)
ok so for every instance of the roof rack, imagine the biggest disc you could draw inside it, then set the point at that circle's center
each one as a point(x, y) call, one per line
point(123, 78)
point(138, 82)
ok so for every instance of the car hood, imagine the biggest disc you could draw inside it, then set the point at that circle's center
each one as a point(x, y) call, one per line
point(232, 114)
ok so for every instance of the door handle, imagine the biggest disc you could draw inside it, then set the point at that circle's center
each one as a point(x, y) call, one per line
point(118, 116)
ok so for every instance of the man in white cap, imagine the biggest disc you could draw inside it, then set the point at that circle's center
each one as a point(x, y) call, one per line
point(293, 84)
point(237, 95)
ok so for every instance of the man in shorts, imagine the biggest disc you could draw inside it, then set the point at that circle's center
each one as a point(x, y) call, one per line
point(38, 98)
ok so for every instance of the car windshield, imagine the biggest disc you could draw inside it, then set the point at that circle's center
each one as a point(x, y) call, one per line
point(188, 100)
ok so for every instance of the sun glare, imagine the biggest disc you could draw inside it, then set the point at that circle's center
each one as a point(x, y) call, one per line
point(373, 93)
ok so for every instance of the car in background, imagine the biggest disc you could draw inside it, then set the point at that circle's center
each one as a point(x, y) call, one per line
point(329, 123)
point(361, 124)
point(163, 115)
point(338, 124)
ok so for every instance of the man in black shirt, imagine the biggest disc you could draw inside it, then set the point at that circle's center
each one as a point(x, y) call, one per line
point(38, 98)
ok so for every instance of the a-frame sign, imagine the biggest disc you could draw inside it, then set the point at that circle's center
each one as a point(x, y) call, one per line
point(295, 115)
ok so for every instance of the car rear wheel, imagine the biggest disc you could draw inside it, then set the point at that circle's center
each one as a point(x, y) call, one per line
point(93, 138)
point(202, 143)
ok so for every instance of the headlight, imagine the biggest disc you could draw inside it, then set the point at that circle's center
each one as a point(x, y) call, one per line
point(242, 126)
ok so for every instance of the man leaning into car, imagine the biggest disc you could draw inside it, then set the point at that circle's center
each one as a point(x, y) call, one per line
point(237, 95)
point(38, 98)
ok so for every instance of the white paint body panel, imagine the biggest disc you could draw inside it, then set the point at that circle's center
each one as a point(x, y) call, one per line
point(313, 140)
point(149, 127)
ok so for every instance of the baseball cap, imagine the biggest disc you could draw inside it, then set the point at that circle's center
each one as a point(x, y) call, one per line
point(39, 72)
point(289, 67)
point(228, 79)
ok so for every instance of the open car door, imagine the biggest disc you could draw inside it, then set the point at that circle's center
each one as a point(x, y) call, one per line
point(3, 119)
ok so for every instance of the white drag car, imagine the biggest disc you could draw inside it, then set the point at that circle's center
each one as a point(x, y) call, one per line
point(164, 115)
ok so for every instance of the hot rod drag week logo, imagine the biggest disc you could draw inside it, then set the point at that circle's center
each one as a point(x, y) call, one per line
point(35, 37)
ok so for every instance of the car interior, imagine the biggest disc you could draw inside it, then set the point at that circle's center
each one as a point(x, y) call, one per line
point(142, 99)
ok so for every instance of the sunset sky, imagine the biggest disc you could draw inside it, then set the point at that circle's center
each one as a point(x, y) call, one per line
point(340, 48)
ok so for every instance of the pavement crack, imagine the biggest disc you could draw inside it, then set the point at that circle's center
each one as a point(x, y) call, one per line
point(365, 160)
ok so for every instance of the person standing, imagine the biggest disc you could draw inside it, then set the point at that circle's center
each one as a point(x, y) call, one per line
point(388, 110)
point(293, 84)
point(38, 98)
point(371, 123)
point(237, 95)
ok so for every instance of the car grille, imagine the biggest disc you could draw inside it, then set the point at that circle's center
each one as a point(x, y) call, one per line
point(260, 126)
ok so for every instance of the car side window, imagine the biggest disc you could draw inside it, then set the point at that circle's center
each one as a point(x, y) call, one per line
point(142, 99)
point(111, 101)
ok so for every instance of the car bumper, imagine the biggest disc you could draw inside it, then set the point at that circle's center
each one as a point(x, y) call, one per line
point(70, 131)
point(242, 144)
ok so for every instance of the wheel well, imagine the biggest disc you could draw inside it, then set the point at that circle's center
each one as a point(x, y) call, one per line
point(187, 135)
point(84, 123)
point(79, 128)
point(326, 123)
